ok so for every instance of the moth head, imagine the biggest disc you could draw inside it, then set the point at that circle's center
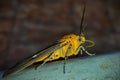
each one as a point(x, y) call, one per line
point(82, 39)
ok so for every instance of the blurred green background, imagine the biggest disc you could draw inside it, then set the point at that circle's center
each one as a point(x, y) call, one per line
point(27, 26)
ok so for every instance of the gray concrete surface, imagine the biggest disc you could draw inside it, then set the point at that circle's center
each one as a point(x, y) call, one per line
point(98, 67)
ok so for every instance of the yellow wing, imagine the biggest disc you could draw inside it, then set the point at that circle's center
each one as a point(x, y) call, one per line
point(32, 59)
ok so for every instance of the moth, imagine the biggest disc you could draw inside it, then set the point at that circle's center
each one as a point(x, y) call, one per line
point(68, 45)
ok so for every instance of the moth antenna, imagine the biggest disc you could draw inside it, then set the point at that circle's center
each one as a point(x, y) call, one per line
point(82, 19)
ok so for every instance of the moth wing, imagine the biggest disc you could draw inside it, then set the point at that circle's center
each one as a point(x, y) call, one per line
point(32, 59)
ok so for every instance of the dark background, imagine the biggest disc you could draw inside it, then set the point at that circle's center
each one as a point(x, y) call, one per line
point(27, 26)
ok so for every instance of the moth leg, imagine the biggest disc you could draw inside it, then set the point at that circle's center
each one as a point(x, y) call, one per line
point(77, 50)
point(81, 52)
point(45, 61)
point(86, 51)
point(49, 57)
point(61, 52)
point(66, 57)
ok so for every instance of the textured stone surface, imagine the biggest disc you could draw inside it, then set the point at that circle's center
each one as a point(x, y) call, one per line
point(27, 26)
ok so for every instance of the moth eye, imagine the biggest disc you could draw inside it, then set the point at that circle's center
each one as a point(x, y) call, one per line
point(80, 39)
